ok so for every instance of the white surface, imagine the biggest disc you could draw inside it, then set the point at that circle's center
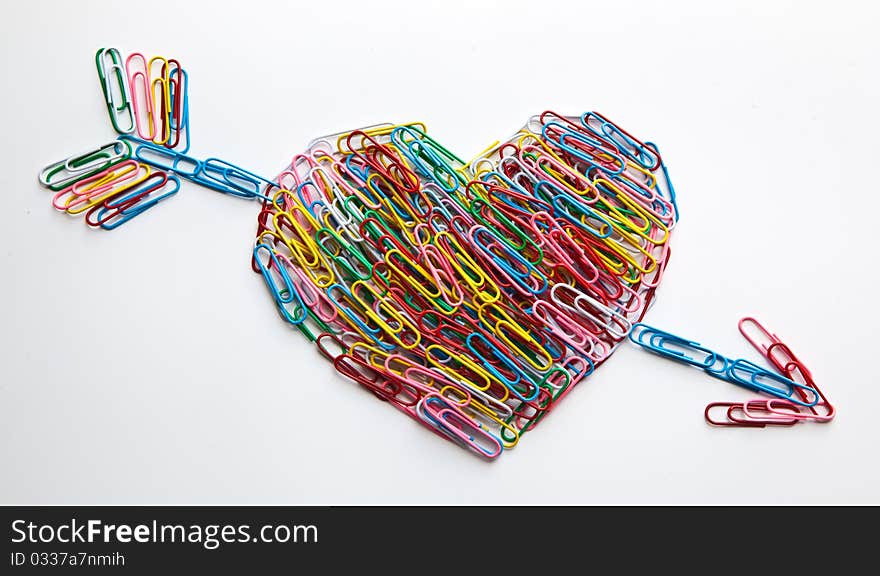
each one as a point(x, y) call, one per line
point(148, 365)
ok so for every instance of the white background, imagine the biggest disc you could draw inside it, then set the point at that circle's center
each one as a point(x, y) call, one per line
point(148, 365)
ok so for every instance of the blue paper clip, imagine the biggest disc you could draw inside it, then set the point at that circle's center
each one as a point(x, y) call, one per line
point(585, 212)
point(176, 77)
point(740, 372)
point(638, 152)
point(761, 380)
point(567, 133)
point(520, 271)
point(212, 173)
point(283, 296)
point(508, 362)
point(670, 192)
point(678, 349)
point(233, 177)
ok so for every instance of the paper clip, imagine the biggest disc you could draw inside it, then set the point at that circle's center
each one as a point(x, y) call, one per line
point(178, 84)
point(285, 293)
point(66, 172)
point(452, 422)
point(160, 100)
point(139, 85)
point(114, 84)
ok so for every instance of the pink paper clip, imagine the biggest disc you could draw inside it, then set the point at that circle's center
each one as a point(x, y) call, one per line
point(141, 95)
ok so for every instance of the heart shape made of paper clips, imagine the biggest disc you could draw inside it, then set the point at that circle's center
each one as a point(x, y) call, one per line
point(471, 296)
